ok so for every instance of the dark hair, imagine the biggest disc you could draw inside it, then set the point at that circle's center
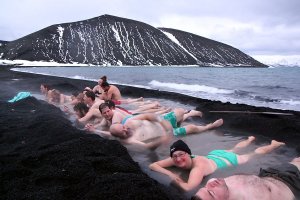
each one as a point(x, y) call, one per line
point(48, 87)
point(103, 105)
point(110, 103)
point(91, 95)
point(104, 78)
point(81, 108)
point(104, 84)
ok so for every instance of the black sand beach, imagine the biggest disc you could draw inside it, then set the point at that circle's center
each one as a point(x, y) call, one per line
point(44, 157)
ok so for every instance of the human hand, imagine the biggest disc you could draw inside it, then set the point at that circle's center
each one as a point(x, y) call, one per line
point(90, 127)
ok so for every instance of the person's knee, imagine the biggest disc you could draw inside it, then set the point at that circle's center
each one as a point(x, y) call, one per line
point(179, 112)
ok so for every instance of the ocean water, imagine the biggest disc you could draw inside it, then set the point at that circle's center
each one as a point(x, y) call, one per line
point(277, 87)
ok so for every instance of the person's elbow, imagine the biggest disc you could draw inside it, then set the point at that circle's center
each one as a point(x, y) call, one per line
point(153, 166)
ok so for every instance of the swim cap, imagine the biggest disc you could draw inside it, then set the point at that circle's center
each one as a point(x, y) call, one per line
point(179, 145)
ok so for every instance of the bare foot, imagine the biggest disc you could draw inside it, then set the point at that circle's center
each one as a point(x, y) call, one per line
point(195, 113)
point(140, 99)
point(251, 138)
point(276, 143)
point(218, 123)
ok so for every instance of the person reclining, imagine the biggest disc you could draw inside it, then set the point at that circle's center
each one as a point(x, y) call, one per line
point(201, 166)
point(278, 182)
point(134, 129)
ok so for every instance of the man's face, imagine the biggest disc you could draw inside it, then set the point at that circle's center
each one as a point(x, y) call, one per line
point(214, 189)
point(107, 113)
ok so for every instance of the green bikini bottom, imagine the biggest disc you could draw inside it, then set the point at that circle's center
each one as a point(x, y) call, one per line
point(218, 155)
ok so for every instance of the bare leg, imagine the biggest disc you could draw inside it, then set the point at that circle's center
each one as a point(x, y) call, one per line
point(147, 107)
point(163, 111)
point(260, 151)
point(266, 149)
point(191, 128)
point(125, 101)
point(192, 113)
point(243, 144)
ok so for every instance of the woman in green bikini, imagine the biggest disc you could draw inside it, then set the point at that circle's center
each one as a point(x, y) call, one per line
point(201, 166)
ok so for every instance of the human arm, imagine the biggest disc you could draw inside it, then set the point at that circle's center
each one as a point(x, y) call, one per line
point(88, 116)
point(195, 178)
point(160, 166)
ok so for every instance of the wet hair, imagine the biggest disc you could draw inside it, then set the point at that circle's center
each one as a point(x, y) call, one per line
point(104, 84)
point(81, 108)
point(104, 78)
point(91, 95)
point(110, 103)
point(46, 86)
point(105, 105)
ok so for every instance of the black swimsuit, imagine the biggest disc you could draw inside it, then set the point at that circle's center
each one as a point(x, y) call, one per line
point(287, 173)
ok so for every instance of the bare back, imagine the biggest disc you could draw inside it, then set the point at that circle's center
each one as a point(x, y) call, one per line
point(113, 93)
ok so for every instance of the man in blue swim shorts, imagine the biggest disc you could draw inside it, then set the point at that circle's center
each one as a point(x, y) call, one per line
point(201, 166)
point(135, 129)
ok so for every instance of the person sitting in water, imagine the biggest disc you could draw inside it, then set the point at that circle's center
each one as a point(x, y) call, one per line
point(57, 98)
point(278, 182)
point(98, 89)
point(45, 90)
point(201, 166)
point(111, 92)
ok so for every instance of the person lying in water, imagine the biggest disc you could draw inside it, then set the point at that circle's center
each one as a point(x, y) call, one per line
point(201, 166)
point(278, 182)
point(135, 129)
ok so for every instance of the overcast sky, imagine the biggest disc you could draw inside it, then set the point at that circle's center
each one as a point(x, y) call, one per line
point(257, 27)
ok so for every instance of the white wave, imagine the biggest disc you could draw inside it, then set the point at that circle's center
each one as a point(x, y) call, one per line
point(191, 88)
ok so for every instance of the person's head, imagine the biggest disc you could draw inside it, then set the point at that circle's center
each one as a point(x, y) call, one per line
point(102, 79)
point(44, 88)
point(120, 131)
point(181, 154)
point(105, 86)
point(89, 96)
point(214, 189)
point(74, 95)
point(106, 111)
point(80, 109)
point(86, 89)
